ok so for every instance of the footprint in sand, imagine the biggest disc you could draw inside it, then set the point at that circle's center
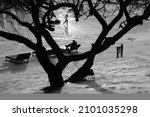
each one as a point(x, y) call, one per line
point(142, 92)
point(131, 39)
point(112, 88)
point(86, 87)
point(148, 75)
point(133, 87)
point(122, 88)
point(146, 91)
point(136, 87)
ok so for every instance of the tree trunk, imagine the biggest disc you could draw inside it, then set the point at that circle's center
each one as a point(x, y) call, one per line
point(54, 75)
point(83, 71)
point(55, 79)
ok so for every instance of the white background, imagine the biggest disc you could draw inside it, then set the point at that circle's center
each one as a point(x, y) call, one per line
point(7, 105)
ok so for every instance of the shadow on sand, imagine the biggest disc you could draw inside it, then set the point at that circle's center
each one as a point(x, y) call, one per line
point(93, 84)
point(50, 90)
point(90, 84)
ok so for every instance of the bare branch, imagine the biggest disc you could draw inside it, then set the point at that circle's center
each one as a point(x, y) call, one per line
point(18, 38)
point(97, 15)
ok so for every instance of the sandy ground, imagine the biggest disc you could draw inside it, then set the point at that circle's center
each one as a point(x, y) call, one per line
point(130, 74)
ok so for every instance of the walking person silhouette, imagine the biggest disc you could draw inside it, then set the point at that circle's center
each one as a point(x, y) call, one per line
point(66, 24)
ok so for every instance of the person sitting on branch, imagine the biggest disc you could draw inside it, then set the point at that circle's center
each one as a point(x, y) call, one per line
point(73, 46)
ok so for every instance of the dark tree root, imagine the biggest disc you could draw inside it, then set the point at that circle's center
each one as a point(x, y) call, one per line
point(56, 82)
point(54, 86)
point(51, 89)
point(79, 76)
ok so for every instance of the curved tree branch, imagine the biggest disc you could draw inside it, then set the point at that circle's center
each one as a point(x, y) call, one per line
point(18, 38)
point(97, 15)
point(118, 17)
point(49, 39)
point(136, 20)
point(25, 24)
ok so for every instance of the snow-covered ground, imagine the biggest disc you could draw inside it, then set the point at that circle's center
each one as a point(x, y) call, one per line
point(130, 74)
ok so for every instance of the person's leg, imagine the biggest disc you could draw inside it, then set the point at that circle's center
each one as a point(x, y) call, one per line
point(121, 50)
point(117, 50)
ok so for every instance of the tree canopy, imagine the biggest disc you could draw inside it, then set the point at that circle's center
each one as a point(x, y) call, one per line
point(38, 17)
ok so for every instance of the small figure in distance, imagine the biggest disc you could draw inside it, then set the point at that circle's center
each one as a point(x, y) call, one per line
point(74, 43)
point(119, 50)
point(73, 46)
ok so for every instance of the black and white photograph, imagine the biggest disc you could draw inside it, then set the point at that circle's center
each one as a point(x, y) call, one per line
point(74, 47)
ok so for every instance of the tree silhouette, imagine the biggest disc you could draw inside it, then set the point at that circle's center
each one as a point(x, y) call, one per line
point(38, 17)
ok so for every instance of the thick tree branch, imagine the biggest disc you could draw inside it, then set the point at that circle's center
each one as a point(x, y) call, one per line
point(116, 19)
point(18, 38)
point(49, 39)
point(97, 15)
point(25, 24)
point(111, 40)
point(136, 20)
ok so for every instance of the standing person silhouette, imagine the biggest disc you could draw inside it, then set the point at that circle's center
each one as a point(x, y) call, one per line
point(119, 50)
point(66, 24)
point(74, 43)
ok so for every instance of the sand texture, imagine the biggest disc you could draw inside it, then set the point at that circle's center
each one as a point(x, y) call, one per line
point(130, 74)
